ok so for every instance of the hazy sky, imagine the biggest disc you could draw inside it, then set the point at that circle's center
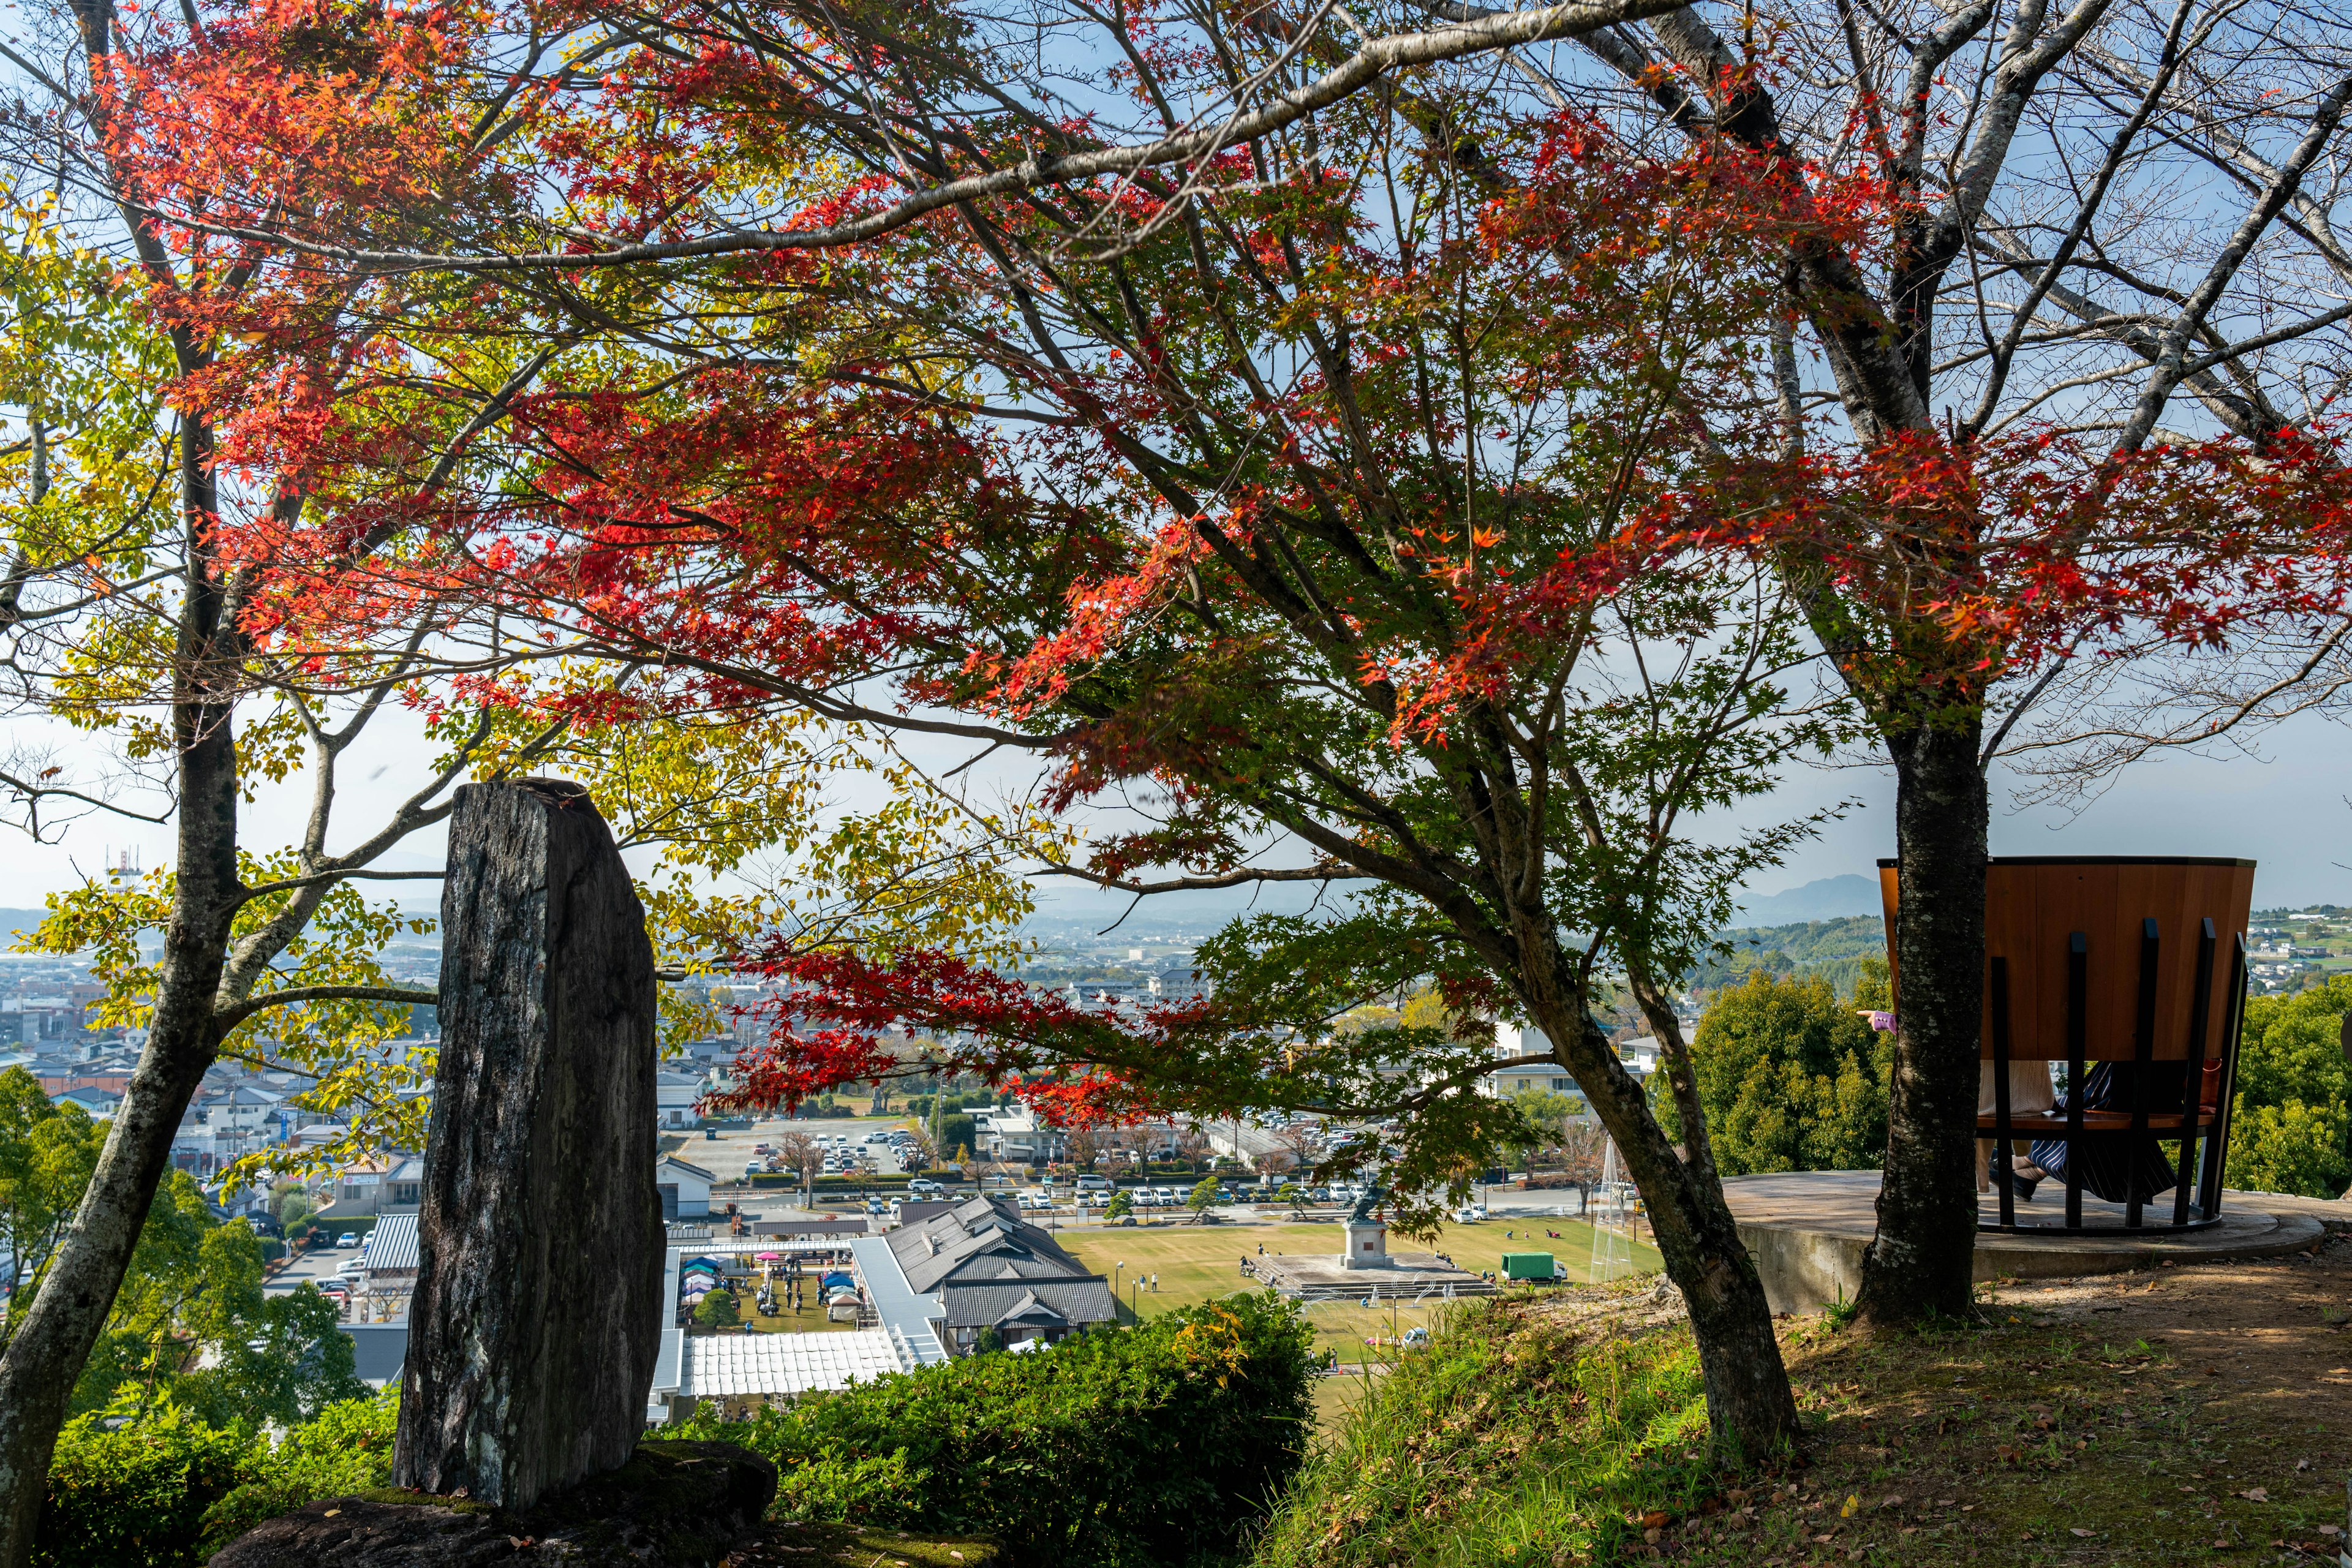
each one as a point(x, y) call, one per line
point(2288, 811)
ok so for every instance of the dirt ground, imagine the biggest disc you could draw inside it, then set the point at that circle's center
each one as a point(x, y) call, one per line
point(2197, 1414)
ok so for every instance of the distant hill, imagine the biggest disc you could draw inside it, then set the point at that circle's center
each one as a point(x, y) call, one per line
point(14, 922)
point(1834, 950)
point(1830, 899)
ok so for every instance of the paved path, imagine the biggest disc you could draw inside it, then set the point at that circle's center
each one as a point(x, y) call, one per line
point(1806, 1230)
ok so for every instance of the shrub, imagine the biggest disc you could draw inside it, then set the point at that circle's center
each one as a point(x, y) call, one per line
point(717, 1310)
point(347, 1449)
point(134, 1498)
point(171, 1490)
point(1159, 1444)
point(1512, 1440)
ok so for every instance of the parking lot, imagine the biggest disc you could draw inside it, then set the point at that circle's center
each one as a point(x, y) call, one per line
point(725, 1154)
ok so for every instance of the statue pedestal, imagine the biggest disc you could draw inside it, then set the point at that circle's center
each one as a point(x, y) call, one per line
point(1367, 1245)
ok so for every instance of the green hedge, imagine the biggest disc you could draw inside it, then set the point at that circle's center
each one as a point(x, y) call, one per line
point(1160, 1445)
point(170, 1492)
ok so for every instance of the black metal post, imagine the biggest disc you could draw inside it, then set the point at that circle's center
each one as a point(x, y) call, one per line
point(2078, 1004)
point(2143, 1063)
point(2001, 1181)
point(2233, 1024)
point(2200, 1008)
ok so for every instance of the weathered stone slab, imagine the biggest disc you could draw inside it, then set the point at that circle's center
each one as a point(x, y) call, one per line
point(680, 1505)
point(536, 1318)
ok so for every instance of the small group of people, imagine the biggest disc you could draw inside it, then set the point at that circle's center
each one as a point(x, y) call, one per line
point(2115, 1166)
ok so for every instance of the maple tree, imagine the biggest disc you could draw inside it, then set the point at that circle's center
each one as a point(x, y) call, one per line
point(1271, 453)
point(215, 581)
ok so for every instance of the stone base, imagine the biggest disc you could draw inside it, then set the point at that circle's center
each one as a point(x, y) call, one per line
point(1406, 1276)
point(687, 1504)
point(1807, 1231)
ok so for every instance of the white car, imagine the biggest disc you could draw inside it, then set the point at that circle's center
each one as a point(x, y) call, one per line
point(1471, 1215)
point(924, 1185)
point(350, 1267)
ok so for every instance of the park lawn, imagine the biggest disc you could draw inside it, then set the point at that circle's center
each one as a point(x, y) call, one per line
point(1196, 1263)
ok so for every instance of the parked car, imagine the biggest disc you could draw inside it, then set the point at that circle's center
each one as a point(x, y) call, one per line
point(348, 1238)
point(924, 1185)
point(1470, 1213)
point(1094, 1184)
point(350, 1266)
point(751, 1171)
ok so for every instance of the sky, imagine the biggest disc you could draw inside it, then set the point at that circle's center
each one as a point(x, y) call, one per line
point(2290, 811)
point(2287, 811)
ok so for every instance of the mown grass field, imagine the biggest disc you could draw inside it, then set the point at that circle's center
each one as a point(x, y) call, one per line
point(1197, 1263)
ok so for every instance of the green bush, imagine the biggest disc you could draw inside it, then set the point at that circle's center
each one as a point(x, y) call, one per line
point(171, 1490)
point(1512, 1441)
point(347, 1449)
point(2290, 1128)
point(134, 1498)
point(1160, 1445)
point(1792, 1077)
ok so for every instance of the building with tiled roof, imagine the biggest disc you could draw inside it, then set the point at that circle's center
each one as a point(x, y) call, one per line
point(990, 1268)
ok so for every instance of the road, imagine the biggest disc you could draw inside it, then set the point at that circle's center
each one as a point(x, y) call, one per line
point(318, 1263)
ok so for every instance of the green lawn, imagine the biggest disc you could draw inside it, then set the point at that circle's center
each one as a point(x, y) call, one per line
point(1199, 1263)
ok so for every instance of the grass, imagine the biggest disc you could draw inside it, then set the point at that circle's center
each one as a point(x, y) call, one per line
point(1527, 1439)
point(2031, 1443)
point(1199, 1263)
point(1521, 1439)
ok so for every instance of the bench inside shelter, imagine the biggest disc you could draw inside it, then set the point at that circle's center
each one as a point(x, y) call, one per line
point(2135, 961)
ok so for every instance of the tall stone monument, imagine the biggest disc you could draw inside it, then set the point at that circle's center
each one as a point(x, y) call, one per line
point(537, 1313)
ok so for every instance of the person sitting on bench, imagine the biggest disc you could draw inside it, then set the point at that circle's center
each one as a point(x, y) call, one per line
point(2113, 1165)
point(2029, 1094)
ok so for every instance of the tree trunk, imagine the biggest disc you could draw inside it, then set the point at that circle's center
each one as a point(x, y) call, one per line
point(1751, 1410)
point(44, 1357)
point(1919, 1265)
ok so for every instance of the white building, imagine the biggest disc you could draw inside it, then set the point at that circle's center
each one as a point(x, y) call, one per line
point(685, 1189)
point(678, 1099)
point(1015, 1135)
point(1524, 1063)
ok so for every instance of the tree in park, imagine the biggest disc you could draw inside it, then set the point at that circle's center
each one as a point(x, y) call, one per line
point(1305, 530)
point(220, 499)
point(2290, 1128)
point(1167, 457)
point(1791, 1077)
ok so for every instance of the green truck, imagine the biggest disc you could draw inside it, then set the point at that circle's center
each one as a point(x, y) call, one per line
point(1530, 1266)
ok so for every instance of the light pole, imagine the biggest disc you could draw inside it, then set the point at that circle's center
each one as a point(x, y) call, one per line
point(1115, 1269)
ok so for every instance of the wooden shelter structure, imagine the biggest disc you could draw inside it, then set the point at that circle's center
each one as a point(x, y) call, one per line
point(2112, 958)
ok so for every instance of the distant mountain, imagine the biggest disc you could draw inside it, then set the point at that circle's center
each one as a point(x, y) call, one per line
point(14, 922)
point(1830, 899)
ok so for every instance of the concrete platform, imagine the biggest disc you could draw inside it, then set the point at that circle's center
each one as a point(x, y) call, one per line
point(1807, 1231)
point(1408, 1277)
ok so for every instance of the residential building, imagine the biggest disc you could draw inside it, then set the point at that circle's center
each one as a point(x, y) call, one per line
point(1015, 1135)
point(677, 1099)
point(404, 1186)
point(101, 1103)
